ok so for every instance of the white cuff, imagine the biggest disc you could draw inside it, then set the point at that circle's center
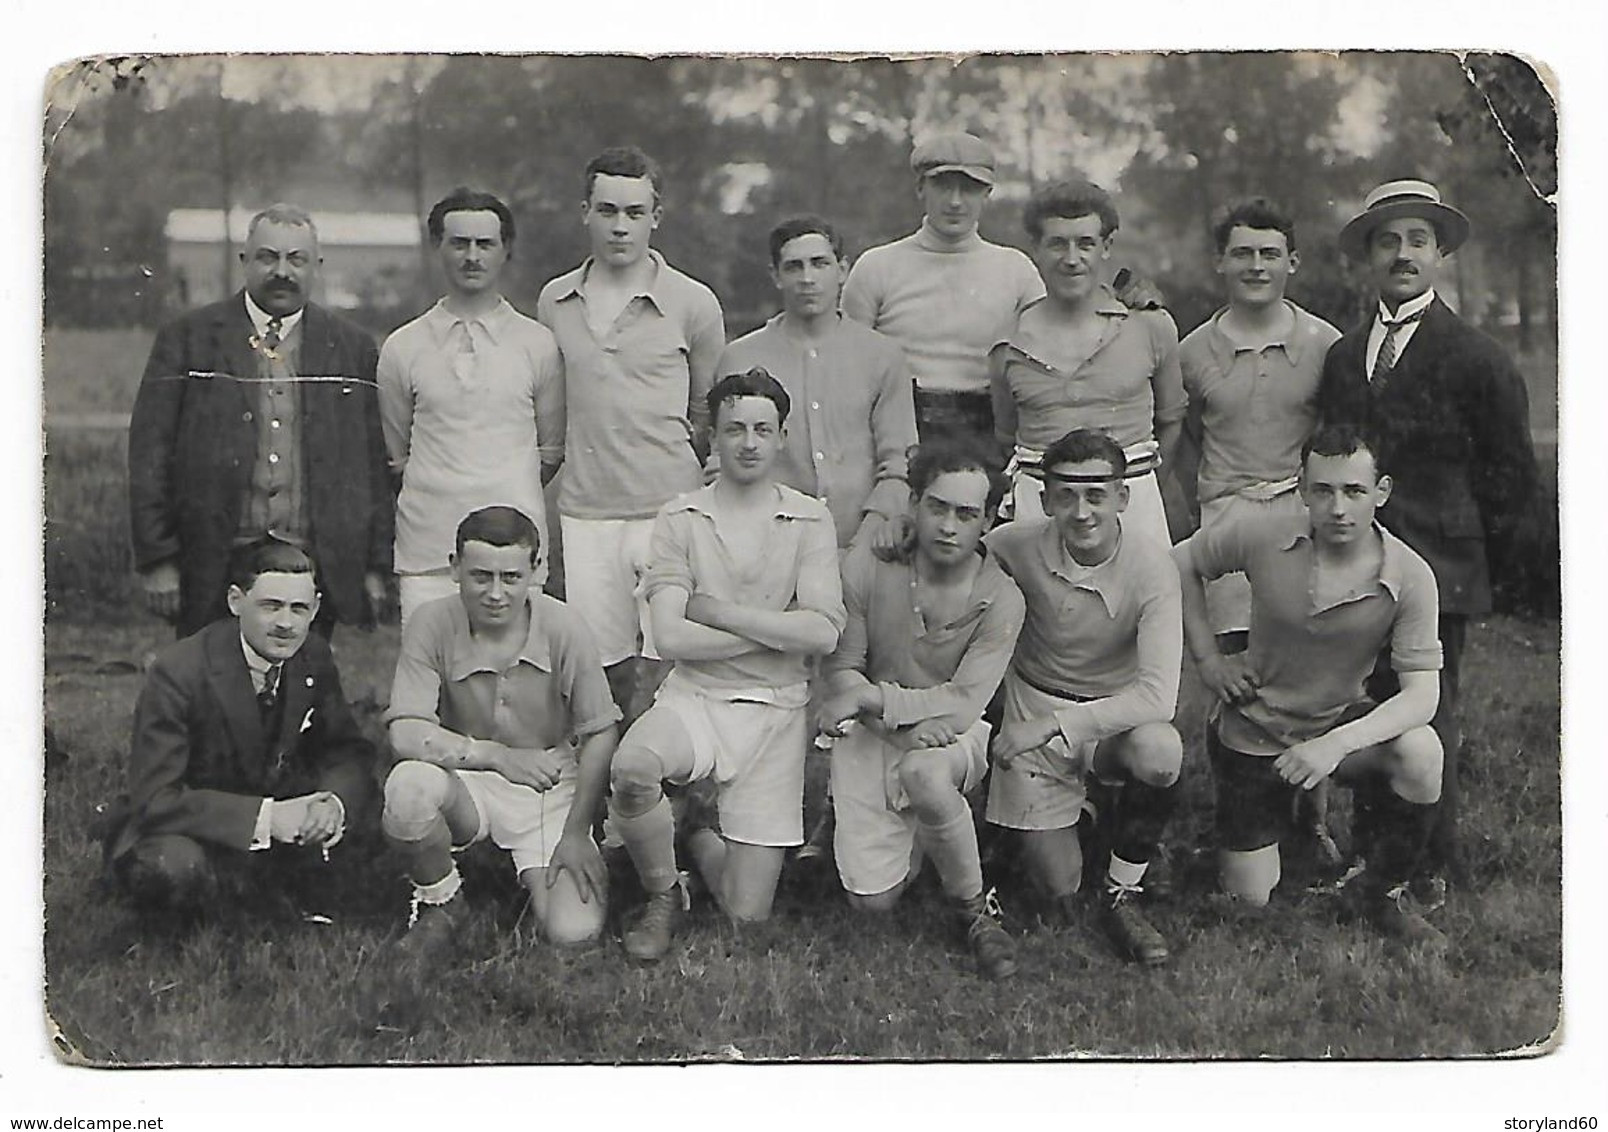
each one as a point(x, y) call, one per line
point(340, 830)
point(262, 832)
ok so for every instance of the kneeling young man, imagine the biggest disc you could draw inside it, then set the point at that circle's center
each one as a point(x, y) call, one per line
point(927, 641)
point(1329, 590)
point(742, 589)
point(503, 725)
point(1092, 687)
point(243, 741)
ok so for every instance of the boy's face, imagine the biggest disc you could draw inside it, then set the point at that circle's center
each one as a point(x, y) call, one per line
point(748, 437)
point(493, 582)
point(952, 516)
point(1085, 512)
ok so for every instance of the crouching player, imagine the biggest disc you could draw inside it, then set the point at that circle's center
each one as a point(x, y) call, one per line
point(1330, 589)
point(742, 588)
point(503, 724)
point(927, 640)
point(1092, 687)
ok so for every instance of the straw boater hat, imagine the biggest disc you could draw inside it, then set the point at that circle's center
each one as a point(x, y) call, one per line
point(1395, 199)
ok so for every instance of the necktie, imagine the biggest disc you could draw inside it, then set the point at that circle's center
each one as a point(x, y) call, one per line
point(1386, 360)
point(273, 335)
point(268, 698)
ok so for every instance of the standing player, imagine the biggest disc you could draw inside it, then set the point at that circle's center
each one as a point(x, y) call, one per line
point(850, 387)
point(640, 341)
point(927, 640)
point(943, 292)
point(1453, 425)
point(471, 398)
point(503, 727)
point(743, 589)
point(1329, 589)
point(1080, 359)
point(1092, 687)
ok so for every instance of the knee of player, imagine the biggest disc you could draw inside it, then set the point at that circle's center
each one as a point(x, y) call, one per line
point(170, 871)
point(925, 780)
point(635, 775)
point(1156, 754)
point(414, 791)
point(1417, 756)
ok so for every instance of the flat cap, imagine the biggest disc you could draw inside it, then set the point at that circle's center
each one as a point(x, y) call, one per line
point(954, 153)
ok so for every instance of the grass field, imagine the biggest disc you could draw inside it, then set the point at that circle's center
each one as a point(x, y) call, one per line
point(819, 983)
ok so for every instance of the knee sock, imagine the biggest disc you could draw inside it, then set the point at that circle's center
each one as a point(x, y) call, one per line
point(1401, 834)
point(650, 838)
point(952, 845)
point(1145, 812)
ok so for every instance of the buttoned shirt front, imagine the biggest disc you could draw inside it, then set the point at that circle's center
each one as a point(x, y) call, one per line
point(1254, 407)
point(554, 693)
point(1404, 334)
point(1111, 634)
point(923, 670)
point(635, 396)
point(852, 417)
point(1128, 384)
point(471, 410)
point(1311, 659)
point(797, 568)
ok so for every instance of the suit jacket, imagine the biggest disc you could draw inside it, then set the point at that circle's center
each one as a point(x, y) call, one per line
point(200, 764)
point(1452, 422)
point(192, 445)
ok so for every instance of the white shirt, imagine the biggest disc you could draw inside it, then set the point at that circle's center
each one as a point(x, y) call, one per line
point(260, 318)
point(1377, 332)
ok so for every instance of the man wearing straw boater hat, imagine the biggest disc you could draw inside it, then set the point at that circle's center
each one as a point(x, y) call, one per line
point(1452, 420)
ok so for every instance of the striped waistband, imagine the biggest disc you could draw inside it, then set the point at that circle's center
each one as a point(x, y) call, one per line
point(1143, 458)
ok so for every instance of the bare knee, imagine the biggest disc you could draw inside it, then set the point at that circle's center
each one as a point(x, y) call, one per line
point(636, 778)
point(1415, 762)
point(1153, 754)
point(415, 796)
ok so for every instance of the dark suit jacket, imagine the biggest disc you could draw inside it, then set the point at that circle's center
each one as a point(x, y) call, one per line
point(1452, 422)
point(200, 764)
point(192, 444)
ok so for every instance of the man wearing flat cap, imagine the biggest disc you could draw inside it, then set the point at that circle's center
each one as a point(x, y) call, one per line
point(1451, 418)
point(943, 292)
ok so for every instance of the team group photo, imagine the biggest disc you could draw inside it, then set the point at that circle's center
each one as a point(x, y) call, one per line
point(609, 560)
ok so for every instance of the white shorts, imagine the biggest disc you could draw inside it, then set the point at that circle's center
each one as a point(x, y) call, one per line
point(875, 836)
point(1228, 599)
point(413, 590)
point(520, 819)
point(1043, 788)
point(604, 560)
point(1145, 510)
point(754, 750)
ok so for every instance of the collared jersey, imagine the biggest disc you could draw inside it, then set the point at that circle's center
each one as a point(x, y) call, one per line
point(1311, 662)
point(926, 671)
point(1127, 385)
point(1253, 408)
point(946, 305)
point(635, 396)
point(554, 693)
point(1110, 634)
point(852, 416)
point(471, 411)
point(797, 568)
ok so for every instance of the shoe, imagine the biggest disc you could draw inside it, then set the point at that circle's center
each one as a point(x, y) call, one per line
point(987, 938)
point(1346, 876)
point(1395, 913)
point(648, 939)
point(818, 845)
point(1429, 892)
point(1133, 934)
point(432, 931)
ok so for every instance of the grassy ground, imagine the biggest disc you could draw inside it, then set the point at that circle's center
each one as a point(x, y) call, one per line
point(819, 982)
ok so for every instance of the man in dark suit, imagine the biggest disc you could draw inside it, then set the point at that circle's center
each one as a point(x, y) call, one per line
point(243, 742)
point(258, 416)
point(1451, 417)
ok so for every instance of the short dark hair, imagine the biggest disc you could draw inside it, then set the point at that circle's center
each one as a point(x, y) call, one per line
point(1340, 439)
point(465, 199)
point(952, 453)
point(794, 227)
point(498, 526)
point(625, 161)
point(268, 556)
point(756, 382)
point(1086, 444)
point(1255, 212)
point(1069, 200)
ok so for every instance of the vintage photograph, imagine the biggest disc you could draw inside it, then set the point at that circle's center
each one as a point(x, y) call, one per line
point(596, 559)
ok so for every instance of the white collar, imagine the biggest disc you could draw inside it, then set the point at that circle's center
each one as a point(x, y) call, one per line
point(1411, 307)
point(260, 318)
point(255, 661)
